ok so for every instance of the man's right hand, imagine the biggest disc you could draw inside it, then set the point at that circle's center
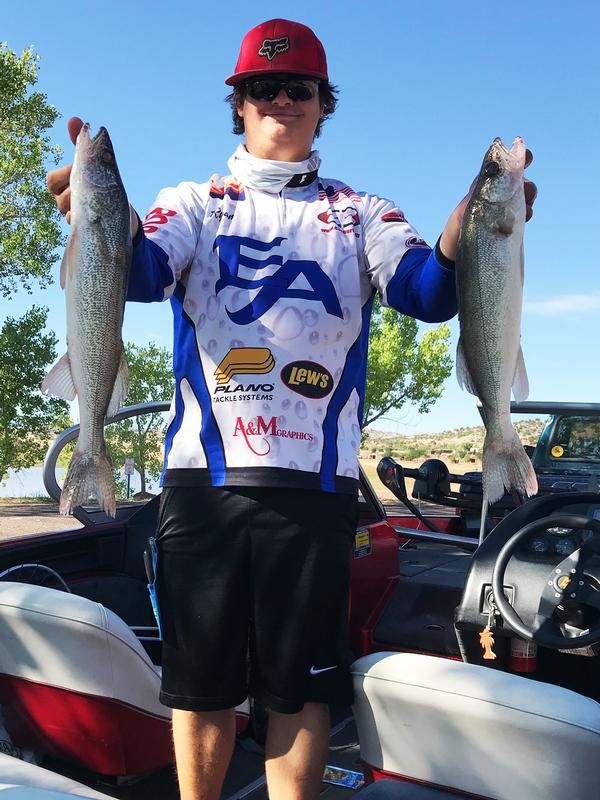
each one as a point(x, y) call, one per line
point(57, 180)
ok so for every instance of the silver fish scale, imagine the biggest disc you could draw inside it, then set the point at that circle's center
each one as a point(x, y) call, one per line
point(488, 280)
point(100, 284)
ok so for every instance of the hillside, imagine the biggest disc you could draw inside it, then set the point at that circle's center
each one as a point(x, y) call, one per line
point(454, 446)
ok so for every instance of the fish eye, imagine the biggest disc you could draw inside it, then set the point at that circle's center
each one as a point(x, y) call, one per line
point(491, 169)
point(107, 157)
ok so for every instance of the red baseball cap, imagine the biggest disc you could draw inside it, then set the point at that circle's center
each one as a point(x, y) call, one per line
point(280, 46)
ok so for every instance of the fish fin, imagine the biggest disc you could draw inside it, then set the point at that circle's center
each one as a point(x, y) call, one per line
point(520, 386)
point(505, 223)
point(59, 380)
point(462, 370)
point(522, 271)
point(88, 476)
point(66, 265)
point(121, 387)
point(507, 466)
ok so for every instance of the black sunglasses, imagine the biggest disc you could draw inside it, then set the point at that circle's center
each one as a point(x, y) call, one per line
point(269, 88)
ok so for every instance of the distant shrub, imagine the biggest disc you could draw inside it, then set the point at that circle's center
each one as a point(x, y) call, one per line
point(412, 453)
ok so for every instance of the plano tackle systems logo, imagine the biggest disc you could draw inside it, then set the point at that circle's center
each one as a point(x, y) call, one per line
point(272, 47)
point(157, 216)
point(244, 361)
point(308, 379)
point(258, 427)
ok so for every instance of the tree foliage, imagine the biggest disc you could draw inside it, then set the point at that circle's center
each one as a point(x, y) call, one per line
point(401, 368)
point(28, 419)
point(141, 437)
point(29, 220)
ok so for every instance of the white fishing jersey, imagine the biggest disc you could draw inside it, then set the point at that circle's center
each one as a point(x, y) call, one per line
point(271, 295)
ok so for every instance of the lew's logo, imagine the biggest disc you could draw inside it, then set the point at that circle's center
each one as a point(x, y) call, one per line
point(245, 361)
point(307, 378)
point(271, 47)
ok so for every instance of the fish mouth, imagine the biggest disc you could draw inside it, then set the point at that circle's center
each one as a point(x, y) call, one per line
point(97, 154)
point(93, 143)
point(513, 158)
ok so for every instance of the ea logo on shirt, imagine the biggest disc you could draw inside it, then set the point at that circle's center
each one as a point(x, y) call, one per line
point(308, 379)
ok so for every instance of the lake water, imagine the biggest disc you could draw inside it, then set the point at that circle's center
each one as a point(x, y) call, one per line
point(28, 483)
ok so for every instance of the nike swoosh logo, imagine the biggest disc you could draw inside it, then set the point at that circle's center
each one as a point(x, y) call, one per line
point(315, 671)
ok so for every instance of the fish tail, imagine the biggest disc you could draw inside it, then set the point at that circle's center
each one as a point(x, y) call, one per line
point(507, 466)
point(89, 474)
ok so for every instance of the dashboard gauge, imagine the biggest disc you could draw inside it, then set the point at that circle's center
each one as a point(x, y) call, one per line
point(560, 531)
point(565, 546)
point(539, 544)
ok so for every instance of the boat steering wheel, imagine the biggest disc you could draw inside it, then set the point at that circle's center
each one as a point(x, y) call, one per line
point(568, 586)
point(35, 574)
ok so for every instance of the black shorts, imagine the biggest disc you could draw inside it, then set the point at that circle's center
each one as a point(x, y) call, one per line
point(252, 586)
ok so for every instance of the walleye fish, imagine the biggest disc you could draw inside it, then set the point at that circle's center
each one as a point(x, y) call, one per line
point(489, 275)
point(94, 275)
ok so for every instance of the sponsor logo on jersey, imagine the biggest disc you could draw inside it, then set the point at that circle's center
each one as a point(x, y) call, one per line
point(344, 220)
point(334, 195)
point(415, 241)
point(307, 378)
point(394, 216)
point(157, 216)
point(235, 191)
point(256, 433)
point(245, 361)
point(275, 281)
point(271, 47)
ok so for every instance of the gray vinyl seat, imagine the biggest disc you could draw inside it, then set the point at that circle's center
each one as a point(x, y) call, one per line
point(475, 729)
point(60, 650)
point(22, 781)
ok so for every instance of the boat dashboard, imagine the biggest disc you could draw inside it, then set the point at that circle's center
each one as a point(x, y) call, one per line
point(544, 558)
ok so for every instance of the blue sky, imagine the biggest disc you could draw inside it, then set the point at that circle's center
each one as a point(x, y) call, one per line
point(424, 89)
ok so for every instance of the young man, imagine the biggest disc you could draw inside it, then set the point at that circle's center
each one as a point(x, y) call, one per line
point(271, 272)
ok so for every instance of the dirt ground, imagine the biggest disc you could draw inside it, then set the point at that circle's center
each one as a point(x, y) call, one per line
point(22, 518)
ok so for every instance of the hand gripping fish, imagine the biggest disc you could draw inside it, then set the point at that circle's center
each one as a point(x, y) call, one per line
point(94, 275)
point(489, 275)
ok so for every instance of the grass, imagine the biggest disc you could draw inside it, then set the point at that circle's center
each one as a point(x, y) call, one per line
point(41, 499)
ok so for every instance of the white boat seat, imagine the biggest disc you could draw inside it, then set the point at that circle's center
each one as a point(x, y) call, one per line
point(75, 682)
point(475, 729)
point(20, 780)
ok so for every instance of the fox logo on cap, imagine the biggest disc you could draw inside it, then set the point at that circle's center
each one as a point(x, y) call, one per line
point(270, 47)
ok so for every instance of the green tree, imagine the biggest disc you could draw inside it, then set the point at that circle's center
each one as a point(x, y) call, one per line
point(28, 419)
point(141, 437)
point(401, 368)
point(29, 220)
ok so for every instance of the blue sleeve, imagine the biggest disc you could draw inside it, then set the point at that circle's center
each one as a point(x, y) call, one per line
point(151, 278)
point(424, 285)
